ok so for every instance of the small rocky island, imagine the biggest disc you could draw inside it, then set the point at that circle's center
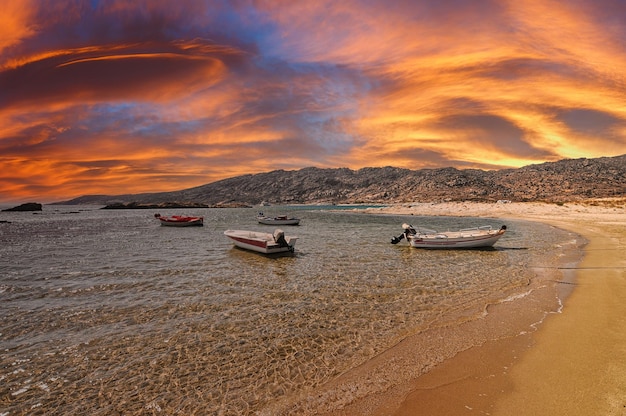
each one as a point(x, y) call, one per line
point(29, 206)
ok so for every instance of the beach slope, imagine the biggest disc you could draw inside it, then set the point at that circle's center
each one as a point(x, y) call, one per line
point(574, 364)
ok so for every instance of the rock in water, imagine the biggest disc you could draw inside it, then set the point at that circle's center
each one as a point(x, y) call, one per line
point(29, 206)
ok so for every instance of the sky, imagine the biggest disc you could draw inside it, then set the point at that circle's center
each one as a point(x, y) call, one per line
point(118, 96)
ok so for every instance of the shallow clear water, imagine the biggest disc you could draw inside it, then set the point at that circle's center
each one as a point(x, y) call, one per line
point(105, 311)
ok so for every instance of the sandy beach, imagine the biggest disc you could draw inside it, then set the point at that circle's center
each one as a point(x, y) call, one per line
point(574, 363)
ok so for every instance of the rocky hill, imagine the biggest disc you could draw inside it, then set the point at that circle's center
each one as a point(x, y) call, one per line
point(562, 181)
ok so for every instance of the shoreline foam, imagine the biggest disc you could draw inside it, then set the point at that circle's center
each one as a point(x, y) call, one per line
point(575, 364)
point(524, 374)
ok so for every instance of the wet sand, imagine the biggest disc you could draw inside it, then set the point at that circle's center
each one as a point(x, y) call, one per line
point(574, 364)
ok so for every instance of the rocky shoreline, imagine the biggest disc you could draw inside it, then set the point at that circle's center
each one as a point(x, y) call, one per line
point(170, 205)
point(137, 205)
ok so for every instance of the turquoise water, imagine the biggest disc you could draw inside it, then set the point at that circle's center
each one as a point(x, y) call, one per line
point(107, 312)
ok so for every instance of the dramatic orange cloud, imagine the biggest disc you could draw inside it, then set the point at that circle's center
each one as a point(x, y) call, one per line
point(16, 23)
point(110, 97)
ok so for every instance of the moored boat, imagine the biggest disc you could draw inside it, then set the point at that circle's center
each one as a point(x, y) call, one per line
point(278, 220)
point(475, 237)
point(179, 220)
point(266, 243)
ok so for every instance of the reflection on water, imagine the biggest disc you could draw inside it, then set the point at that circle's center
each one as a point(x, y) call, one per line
point(107, 312)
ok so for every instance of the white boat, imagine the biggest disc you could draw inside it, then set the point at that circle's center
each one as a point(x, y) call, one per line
point(279, 220)
point(466, 238)
point(179, 220)
point(260, 242)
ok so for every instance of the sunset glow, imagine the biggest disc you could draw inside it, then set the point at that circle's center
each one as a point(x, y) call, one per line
point(112, 97)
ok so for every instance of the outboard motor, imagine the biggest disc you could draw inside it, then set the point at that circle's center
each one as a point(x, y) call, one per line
point(279, 238)
point(408, 230)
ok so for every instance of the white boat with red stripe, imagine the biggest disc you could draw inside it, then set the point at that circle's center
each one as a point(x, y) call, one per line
point(260, 242)
point(475, 237)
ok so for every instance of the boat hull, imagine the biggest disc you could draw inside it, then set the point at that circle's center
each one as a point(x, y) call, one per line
point(181, 221)
point(260, 242)
point(272, 221)
point(447, 242)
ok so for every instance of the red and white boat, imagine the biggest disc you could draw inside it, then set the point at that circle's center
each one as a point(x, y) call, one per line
point(179, 220)
point(260, 242)
point(466, 238)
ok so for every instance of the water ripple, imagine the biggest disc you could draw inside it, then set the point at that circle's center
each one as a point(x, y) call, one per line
point(106, 312)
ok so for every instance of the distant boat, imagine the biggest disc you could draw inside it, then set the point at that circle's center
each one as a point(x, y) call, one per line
point(179, 220)
point(265, 243)
point(279, 220)
point(466, 238)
